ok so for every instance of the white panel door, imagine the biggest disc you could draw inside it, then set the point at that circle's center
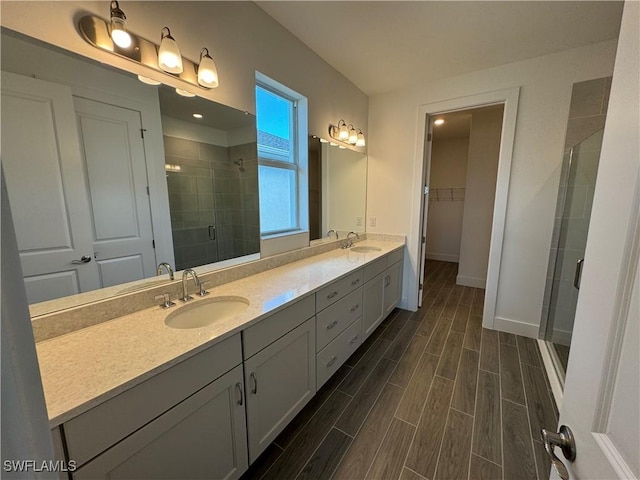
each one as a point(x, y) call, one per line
point(601, 402)
point(113, 152)
point(46, 186)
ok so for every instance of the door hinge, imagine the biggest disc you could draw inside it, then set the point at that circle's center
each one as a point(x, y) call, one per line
point(426, 190)
point(429, 137)
point(420, 286)
point(148, 190)
point(142, 130)
point(153, 243)
point(424, 239)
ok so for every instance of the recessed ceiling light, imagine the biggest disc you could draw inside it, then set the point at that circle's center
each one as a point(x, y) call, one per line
point(438, 122)
point(197, 115)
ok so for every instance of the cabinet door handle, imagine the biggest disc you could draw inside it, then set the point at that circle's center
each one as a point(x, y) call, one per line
point(331, 295)
point(353, 340)
point(387, 280)
point(254, 390)
point(239, 387)
point(332, 324)
point(355, 282)
point(355, 307)
point(333, 360)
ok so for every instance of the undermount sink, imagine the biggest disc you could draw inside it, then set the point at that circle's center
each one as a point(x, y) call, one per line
point(364, 249)
point(206, 312)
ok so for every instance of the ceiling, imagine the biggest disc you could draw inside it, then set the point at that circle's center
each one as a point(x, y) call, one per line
point(383, 46)
point(458, 124)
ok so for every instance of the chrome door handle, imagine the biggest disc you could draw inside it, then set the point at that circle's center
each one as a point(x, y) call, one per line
point(331, 295)
point(212, 232)
point(565, 440)
point(332, 324)
point(83, 259)
point(254, 390)
point(578, 276)
point(239, 387)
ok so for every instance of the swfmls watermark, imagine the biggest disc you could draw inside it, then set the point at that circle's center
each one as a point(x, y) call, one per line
point(39, 466)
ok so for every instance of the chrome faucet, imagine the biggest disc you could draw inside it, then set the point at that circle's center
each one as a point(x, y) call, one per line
point(167, 267)
point(332, 231)
point(349, 242)
point(185, 277)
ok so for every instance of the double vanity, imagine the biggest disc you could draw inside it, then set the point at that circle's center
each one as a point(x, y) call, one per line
point(200, 389)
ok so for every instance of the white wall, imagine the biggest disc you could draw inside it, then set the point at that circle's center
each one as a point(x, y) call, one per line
point(545, 94)
point(444, 223)
point(241, 37)
point(482, 171)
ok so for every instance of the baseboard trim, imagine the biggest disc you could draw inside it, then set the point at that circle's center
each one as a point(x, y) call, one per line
point(552, 374)
point(443, 257)
point(516, 327)
point(471, 281)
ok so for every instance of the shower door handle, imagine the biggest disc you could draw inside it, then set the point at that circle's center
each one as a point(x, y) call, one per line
point(212, 232)
point(578, 275)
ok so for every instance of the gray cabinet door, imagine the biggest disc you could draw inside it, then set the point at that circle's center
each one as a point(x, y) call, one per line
point(373, 302)
point(392, 287)
point(280, 380)
point(203, 437)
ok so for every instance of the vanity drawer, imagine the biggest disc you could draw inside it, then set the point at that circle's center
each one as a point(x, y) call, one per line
point(395, 256)
point(336, 353)
point(335, 291)
point(334, 319)
point(268, 330)
point(93, 432)
point(375, 268)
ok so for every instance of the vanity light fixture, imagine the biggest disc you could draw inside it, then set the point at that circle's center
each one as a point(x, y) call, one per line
point(169, 58)
point(148, 81)
point(438, 122)
point(360, 141)
point(207, 71)
point(346, 135)
point(119, 33)
point(343, 131)
point(197, 115)
point(353, 135)
point(184, 93)
point(322, 140)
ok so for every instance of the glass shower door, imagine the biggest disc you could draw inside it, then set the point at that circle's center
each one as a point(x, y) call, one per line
point(570, 237)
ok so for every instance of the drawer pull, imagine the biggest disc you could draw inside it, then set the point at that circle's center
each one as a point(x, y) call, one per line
point(355, 282)
point(331, 295)
point(239, 387)
point(353, 340)
point(333, 360)
point(254, 390)
point(332, 324)
point(355, 307)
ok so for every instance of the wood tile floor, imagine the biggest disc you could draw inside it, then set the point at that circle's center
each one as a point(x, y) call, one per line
point(430, 395)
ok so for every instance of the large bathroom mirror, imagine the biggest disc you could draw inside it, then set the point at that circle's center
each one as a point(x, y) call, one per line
point(337, 191)
point(108, 177)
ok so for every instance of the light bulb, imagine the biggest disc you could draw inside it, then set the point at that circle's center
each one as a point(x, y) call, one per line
point(360, 142)
point(343, 131)
point(353, 136)
point(119, 33)
point(169, 58)
point(439, 121)
point(197, 115)
point(148, 81)
point(184, 93)
point(207, 71)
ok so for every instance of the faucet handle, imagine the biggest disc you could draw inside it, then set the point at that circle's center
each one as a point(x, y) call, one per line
point(166, 300)
point(202, 291)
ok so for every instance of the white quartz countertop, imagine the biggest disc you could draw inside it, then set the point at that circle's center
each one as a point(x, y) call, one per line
point(84, 368)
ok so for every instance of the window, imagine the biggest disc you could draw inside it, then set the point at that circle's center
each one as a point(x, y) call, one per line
point(279, 163)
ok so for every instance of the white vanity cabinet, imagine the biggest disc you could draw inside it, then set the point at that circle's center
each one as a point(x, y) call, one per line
point(279, 371)
point(382, 290)
point(186, 422)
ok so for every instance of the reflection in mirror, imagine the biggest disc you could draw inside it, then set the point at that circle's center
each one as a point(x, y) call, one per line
point(108, 177)
point(337, 190)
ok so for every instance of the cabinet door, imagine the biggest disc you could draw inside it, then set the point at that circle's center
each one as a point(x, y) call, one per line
point(392, 287)
point(373, 302)
point(280, 380)
point(202, 437)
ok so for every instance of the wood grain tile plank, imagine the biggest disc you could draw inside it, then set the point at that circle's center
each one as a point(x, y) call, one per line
point(358, 374)
point(461, 318)
point(464, 392)
point(467, 296)
point(267, 458)
point(529, 352)
point(360, 455)
point(410, 475)
point(543, 462)
point(510, 377)
point(490, 351)
point(390, 459)
point(473, 335)
point(539, 404)
point(451, 356)
point(519, 461)
point(487, 433)
point(508, 338)
point(456, 447)
point(325, 459)
point(394, 327)
point(409, 361)
point(424, 451)
point(355, 414)
point(482, 469)
point(477, 304)
point(401, 342)
point(417, 390)
point(294, 458)
point(439, 336)
point(429, 321)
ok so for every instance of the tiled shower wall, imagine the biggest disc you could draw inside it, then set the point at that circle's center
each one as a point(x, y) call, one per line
point(209, 190)
point(587, 115)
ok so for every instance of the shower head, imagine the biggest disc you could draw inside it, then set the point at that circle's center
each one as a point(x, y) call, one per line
point(240, 164)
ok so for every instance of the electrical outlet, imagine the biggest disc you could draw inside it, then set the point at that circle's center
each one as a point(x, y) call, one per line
point(358, 221)
point(372, 221)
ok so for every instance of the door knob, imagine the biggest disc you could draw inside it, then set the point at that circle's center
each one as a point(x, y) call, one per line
point(565, 440)
point(83, 259)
